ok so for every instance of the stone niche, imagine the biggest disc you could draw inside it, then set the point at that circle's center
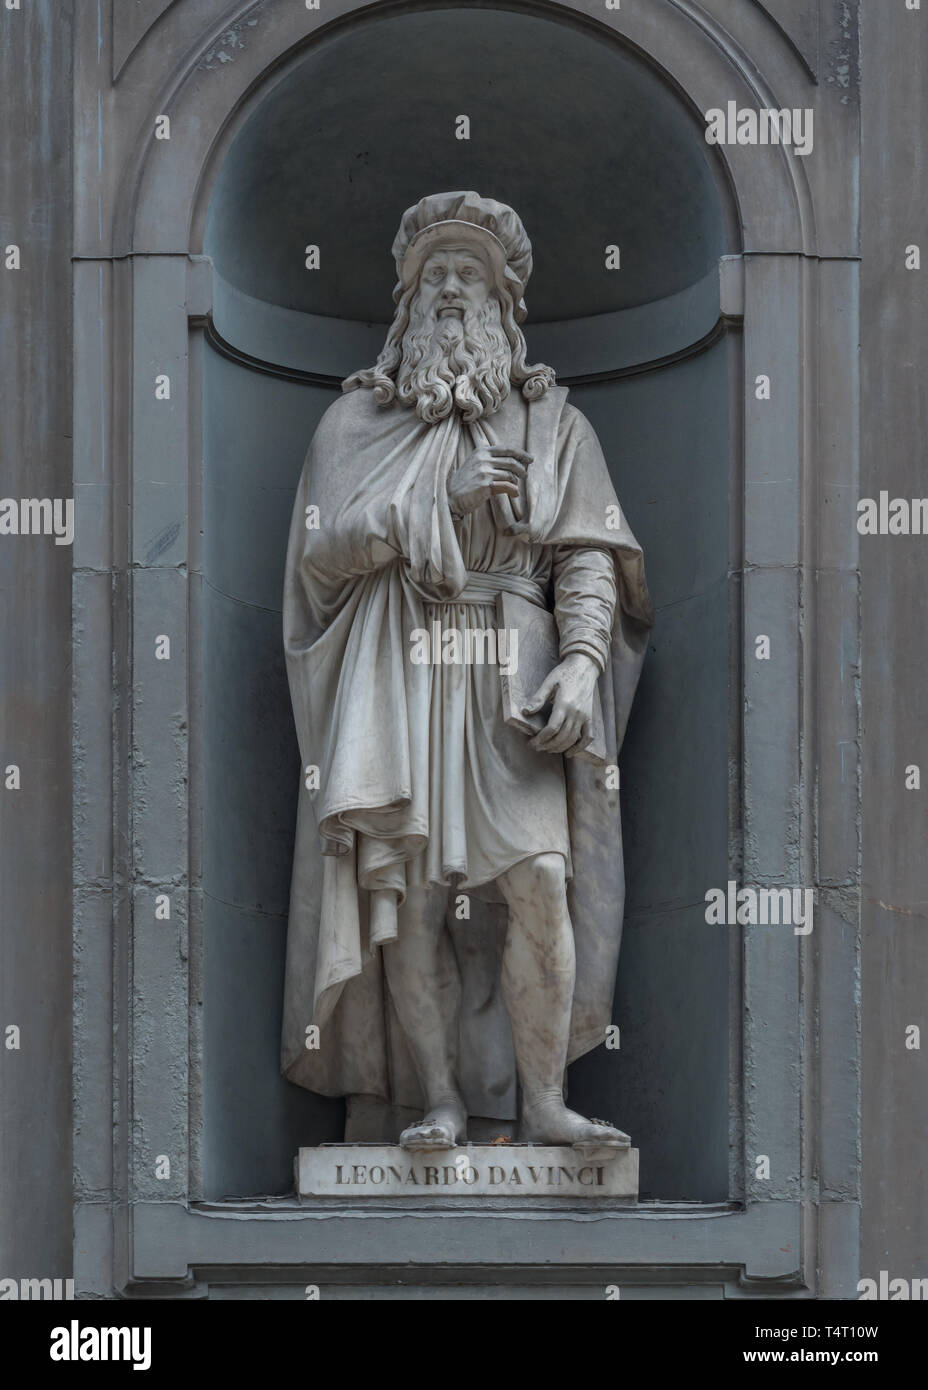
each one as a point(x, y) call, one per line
point(594, 150)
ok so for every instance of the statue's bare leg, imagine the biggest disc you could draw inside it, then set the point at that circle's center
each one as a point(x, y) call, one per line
point(426, 991)
point(538, 983)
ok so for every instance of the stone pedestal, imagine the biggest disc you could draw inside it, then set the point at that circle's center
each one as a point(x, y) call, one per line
point(474, 1170)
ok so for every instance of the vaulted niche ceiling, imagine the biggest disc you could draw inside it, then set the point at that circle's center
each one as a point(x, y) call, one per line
point(584, 140)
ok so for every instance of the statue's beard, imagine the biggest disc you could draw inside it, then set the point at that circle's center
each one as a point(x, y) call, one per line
point(450, 362)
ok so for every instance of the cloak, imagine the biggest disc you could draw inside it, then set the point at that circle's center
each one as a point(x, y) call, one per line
point(356, 585)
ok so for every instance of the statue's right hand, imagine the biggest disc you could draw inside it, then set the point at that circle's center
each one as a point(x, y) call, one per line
point(488, 471)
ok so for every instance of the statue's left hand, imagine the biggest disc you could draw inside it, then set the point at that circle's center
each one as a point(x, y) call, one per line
point(572, 684)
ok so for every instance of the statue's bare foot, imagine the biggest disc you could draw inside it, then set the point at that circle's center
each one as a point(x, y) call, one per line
point(444, 1127)
point(549, 1121)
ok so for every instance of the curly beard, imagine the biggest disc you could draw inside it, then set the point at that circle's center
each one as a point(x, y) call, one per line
point(450, 362)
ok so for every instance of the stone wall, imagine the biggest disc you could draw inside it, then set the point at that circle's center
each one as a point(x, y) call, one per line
point(124, 54)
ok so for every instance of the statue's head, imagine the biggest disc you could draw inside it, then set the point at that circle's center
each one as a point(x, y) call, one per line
point(462, 266)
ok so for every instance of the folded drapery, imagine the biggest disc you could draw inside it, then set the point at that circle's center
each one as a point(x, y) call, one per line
point(386, 550)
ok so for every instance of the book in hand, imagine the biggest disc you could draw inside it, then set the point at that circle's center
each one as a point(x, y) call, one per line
point(537, 656)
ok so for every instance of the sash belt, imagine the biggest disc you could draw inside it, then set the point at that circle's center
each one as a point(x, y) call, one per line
point(482, 587)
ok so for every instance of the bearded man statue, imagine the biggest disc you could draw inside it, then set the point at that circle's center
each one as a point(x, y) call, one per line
point(458, 885)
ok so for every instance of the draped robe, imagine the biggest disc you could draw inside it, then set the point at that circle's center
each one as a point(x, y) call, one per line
point(419, 780)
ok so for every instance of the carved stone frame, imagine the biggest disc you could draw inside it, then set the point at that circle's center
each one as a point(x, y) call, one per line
point(141, 297)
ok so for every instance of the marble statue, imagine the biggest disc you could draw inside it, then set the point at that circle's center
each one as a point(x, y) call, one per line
point(458, 882)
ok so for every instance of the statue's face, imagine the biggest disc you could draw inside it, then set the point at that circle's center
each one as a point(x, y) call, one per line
point(455, 352)
point(453, 280)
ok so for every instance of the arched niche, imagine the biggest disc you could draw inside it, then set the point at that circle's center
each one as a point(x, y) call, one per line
point(145, 301)
point(595, 149)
